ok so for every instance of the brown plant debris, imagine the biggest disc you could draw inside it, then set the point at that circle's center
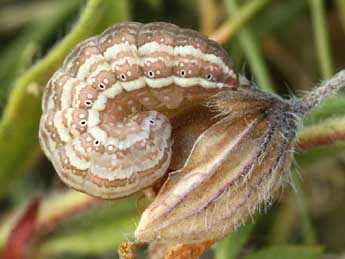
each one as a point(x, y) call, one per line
point(159, 250)
point(188, 251)
point(128, 250)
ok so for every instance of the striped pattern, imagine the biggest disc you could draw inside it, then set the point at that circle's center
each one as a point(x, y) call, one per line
point(100, 127)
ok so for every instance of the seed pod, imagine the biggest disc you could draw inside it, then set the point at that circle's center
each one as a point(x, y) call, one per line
point(234, 167)
point(103, 125)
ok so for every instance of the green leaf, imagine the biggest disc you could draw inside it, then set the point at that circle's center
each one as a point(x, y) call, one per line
point(95, 240)
point(231, 246)
point(252, 50)
point(98, 230)
point(288, 252)
point(100, 215)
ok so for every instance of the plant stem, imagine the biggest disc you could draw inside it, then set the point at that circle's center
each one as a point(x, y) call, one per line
point(37, 32)
point(282, 59)
point(327, 89)
point(307, 226)
point(284, 223)
point(341, 9)
point(252, 51)
point(325, 132)
point(19, 146)
point(208, 15)
point(321, 38)
point(332, 107)
point(232, 245)
point(328, 130)
point(230, 27)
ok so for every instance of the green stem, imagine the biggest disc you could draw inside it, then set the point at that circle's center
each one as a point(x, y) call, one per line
point(232, 245)
point(308, 231)
point(341, 9)
point(247, 12)
point(234, 24)
point(252, 50)
point(38, 32)
point(321, 38)
point(321, 152)
point(325, 100)
point(19, 126)
point(325, 132)
point(287, 219)
point(284, 223)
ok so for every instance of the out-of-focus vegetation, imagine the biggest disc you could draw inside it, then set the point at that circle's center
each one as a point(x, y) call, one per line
point(286, 46)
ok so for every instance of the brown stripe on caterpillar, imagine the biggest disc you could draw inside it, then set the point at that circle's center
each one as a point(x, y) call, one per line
point(108, 82)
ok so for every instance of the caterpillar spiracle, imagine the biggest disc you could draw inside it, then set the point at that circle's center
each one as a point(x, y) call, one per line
point(104, 123)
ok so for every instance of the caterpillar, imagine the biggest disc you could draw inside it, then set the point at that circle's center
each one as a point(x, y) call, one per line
point(104, 123)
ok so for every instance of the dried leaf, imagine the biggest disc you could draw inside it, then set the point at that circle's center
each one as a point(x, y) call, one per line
point(159, 250)
point(188, 251)
point(128, 250)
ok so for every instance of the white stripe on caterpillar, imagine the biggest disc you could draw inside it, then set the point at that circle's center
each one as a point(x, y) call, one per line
point(104, 140)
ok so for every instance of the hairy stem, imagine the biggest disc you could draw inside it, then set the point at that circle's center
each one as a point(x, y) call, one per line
point(328, 88)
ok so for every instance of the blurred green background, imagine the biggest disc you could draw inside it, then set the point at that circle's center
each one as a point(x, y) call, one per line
point(286, 46)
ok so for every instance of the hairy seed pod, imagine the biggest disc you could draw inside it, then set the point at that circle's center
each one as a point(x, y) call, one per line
point(104, 124)
point(234, 167)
